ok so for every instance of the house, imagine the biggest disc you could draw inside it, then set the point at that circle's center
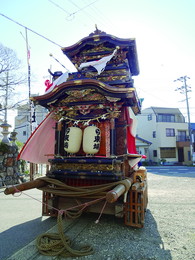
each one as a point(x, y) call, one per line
point(192, 127)
point(142, 146)
point(22, 120)
point(168, 133)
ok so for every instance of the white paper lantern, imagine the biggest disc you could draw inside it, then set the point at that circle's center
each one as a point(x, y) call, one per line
point(72, 139)
point(91, 140)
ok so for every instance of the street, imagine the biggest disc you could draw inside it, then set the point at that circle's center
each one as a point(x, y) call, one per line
point(168, 233)
point(176, 171)
point(21, 221)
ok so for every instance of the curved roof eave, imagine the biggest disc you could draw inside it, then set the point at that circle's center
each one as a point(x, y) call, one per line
point(58, 91)
point(93, 39)
point(99, 37)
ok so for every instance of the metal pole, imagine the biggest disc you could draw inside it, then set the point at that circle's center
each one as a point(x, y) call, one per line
point(188, 113)
point(184, 90)
point(29, 80)
point(30, 102)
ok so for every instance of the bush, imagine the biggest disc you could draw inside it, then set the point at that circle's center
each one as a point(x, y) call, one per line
point(4, 148)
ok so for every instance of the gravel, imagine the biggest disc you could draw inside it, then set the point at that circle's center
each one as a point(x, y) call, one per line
point(168, 232)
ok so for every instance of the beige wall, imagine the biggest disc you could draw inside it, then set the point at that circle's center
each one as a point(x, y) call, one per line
point(147, 127)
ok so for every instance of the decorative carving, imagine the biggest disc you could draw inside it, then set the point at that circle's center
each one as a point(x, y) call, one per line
point(112, 99)
point(114, 72)
point(78, 60)
point(114, 78)
point(82, 95)
point(120, 57)
point(83, 167)
point(98, 48)
point(84, 109)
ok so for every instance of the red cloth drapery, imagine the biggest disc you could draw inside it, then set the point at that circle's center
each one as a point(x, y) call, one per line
point(131, 147)
point(40, 143)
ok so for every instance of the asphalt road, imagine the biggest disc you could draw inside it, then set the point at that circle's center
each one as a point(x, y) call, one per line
point(174, 171)
point(20, 221)
point(169, 232)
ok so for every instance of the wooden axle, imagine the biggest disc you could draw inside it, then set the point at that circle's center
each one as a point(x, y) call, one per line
point(111, 196)
point(38, 183)
point(120, 189)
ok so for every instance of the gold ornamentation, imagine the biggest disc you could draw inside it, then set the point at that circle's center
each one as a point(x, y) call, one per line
point(82, 95)
point(77, 82)
point(69, 113)
point(112, 99)
point(83, 167)
point(114, 72)
point(52, 102)
point(98, 48)
point(96, 38)
point(113, 78)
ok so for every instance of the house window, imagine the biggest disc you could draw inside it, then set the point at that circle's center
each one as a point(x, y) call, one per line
point(149, 117)
point(24, 133)
point(145, 151)
point(168, 152)
point(166, 118)
point(154, 134)
point(170, 132)
point(155, 153)
point(181, 136)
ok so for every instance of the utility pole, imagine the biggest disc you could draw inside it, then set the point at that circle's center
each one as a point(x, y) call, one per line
point(184, 89)
point(29, 80)
point(32, 166)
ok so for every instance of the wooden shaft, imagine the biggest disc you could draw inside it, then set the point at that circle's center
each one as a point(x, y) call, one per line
point(38, 183)
point(115, 193)
point(136, 186)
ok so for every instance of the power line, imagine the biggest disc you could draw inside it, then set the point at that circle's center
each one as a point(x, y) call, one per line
point(71, 14)
point(82, 8)
point(104, 20)
point(59, 7)
point(30, 30)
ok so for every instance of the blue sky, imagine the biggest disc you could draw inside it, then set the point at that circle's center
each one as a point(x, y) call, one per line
point(164, 32)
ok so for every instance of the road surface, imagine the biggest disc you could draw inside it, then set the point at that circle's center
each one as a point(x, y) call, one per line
point(168, 234)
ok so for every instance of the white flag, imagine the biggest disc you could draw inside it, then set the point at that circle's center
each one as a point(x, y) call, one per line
point(99, 65)
point(58, 81)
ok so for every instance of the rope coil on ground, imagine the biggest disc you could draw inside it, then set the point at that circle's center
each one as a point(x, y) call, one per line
point(58, 244)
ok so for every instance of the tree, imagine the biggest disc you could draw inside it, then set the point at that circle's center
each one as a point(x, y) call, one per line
point(10, 77)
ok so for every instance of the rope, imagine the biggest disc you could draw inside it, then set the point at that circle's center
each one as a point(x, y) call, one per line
point(64, 190)
point(58, 244)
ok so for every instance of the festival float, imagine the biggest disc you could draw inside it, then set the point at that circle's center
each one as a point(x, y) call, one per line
point(88, 137)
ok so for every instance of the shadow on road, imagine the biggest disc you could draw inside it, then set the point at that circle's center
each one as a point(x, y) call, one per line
point(110, 236)
point(18, 236)
point(111, 239)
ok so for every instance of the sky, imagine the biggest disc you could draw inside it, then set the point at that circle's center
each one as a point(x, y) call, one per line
point(163, 29)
